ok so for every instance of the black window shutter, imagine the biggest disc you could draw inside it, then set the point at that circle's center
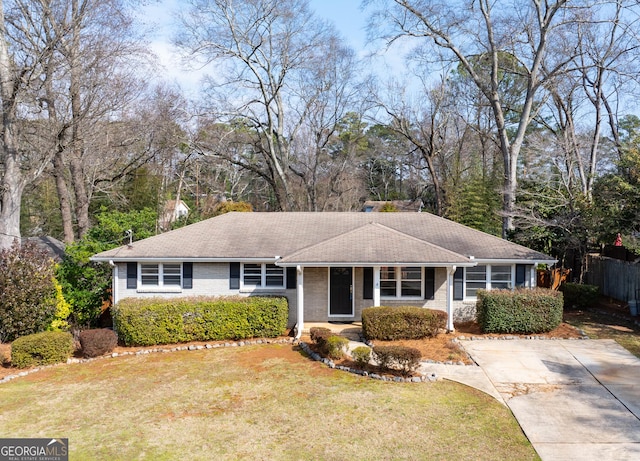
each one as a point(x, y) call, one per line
point(458, 279)
point(292, 278)
point(429, 283)
point(187, 275)
point(234, 276)
point(520, 275)
point(367, 283)
point(132, 275)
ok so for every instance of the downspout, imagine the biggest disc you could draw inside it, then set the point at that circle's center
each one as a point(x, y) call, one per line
point(450, 271)
point(299, 301)
point(114, 282)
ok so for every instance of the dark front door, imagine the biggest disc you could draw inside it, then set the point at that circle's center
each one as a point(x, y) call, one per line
point(340, 291)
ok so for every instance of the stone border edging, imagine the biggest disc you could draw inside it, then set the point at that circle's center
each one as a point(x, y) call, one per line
point(305, 347)
point(583, 336)
point(331, 364)
point(192, 347)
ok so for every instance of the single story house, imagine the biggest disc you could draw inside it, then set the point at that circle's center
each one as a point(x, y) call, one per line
point(329, 265)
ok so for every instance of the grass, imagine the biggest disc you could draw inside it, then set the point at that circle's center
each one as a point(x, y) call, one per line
point(252, 402)
point(601, 326)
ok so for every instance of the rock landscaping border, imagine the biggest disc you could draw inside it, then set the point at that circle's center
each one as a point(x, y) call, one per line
point(192, 347)
point(305, 347)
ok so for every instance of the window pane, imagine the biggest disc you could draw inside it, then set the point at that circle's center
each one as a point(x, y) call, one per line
point(171, 274)
point(149, 274)
point(275, 276)
point(387, 273)
point(473, 287)
point(500, 285)
point(500, 273)
point(477, 273)
point(411, 273)
point(253, 274)
point(387, 287)
point(412, 288)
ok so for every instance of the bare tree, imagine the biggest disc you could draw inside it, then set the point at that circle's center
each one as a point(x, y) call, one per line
point(466, 32)
point(264, 52)
point(90, 82)
point(423, 122)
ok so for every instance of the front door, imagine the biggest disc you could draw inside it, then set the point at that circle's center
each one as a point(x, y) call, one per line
point(341, 291)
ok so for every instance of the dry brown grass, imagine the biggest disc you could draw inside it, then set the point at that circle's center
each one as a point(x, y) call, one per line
point(253, 402)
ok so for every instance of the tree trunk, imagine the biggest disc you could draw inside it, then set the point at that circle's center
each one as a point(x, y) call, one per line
point(12, 182)
point(75, 166)
point(63, 196)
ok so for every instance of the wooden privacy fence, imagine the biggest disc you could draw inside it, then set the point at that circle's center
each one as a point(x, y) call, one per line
point(552, 278)
point(617, 279)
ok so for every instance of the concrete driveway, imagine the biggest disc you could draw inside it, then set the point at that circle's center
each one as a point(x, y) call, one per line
point(574, 399)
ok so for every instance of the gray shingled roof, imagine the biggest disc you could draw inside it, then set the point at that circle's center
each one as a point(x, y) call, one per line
point(325, 237)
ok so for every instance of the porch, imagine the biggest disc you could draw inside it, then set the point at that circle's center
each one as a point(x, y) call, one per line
point(350, 330)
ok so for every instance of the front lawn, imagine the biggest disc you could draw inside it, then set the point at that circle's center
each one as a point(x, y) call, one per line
point(252, 402)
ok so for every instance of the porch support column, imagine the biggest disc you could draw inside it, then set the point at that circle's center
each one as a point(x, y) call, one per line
point(114, 283)
point(376, 286)
point(450, 271)
point(300, 300)
point(533, 282)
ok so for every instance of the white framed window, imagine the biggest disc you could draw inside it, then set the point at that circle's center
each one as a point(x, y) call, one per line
point(401, 282)
point(487, 277)
point(476, 280)
point(263, 275)
point(160, 275)
point(501, 277)
point(150, 274)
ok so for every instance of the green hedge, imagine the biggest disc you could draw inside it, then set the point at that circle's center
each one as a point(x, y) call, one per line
point(520, 311)
point(146, 322)
point(41, 349)
point(404, 322)
point(579, 296)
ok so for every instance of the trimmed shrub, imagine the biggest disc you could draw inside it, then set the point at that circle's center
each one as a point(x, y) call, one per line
point(41, 349)
point(146, 322)
point(406, 322)
point(335, 346)
point(579, 296)
point(95, 343)
point(520, 311)
point(319, 334)
point(362, 355)
point(405, 359)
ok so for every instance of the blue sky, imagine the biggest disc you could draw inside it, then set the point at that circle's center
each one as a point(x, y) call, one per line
point(346, 16)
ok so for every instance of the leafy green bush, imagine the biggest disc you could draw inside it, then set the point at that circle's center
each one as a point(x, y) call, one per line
point(335, 346)
point(362, 355)
point(406, 322)
point(405, 359)
point(27, 292)
point(41, 349)
point(145, 322)
point(520, 311)
point(86, 284)
point(97, 342)
point(579, 296)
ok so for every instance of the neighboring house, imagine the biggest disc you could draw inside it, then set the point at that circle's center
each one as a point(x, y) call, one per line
point(329, 265)
point(173, 210)
point(372, 206)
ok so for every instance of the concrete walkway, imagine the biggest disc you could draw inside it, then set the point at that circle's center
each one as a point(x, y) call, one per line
point(575, 400)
